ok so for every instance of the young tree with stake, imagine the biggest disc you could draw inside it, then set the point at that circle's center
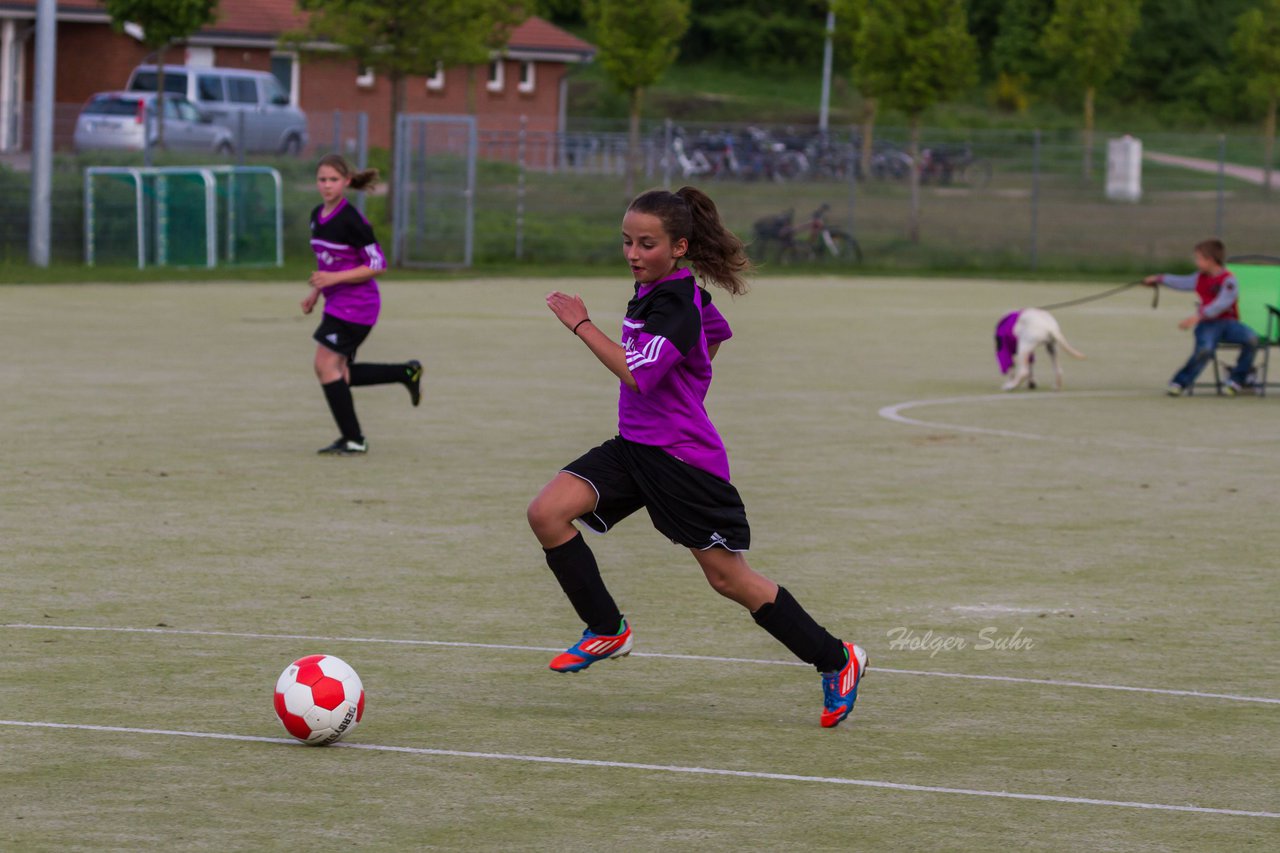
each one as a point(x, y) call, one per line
point(1089, 40)
point(163, 22)
point(914, 53)
point(1256, 47)
point(637, 42)
point(848, 20)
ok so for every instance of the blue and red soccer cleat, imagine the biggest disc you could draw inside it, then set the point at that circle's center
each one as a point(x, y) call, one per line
point(593, 647)
point(840, 689)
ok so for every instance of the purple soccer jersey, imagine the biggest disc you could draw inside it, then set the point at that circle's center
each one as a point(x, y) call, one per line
point(670, 325)
point(1006, 341)
point(344, 240)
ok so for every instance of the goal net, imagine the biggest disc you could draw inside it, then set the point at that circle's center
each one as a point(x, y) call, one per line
point(204, 216)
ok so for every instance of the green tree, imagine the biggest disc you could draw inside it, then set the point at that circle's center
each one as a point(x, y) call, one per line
point(559, 11)
point(849, 19)
point(1256, 45)
point(398, 38)
point(1175, 41)
point(1016, 59)
point(163, 22)
point(1088, 40)
point(637, 42)
point(1015, 49)
point(912, 54)
point(983, 17)
point(757, 34)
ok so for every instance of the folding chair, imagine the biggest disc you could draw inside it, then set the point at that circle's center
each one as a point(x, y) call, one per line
point(1258, 276)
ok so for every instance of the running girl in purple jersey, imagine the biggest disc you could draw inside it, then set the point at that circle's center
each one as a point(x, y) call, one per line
point(347, 257)
point(668, 457)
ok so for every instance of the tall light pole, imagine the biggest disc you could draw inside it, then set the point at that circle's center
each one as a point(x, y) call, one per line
point(42, 132)
point(824, 109)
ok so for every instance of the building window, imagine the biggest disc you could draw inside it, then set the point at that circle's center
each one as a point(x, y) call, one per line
point(285, 68)
point(527, 77)
point(495, 76)
point(365, 78)
point(435, 82)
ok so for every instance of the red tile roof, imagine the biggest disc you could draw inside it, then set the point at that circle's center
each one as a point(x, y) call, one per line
point(264, 17)
point(272, 17)
point(537, 34)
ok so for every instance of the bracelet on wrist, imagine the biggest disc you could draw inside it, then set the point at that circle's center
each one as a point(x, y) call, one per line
point(579, 323)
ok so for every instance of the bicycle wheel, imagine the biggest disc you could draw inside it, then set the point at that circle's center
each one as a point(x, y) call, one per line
point(977, 174)
point(900, 165)
point(792, 251)
point(841, 246)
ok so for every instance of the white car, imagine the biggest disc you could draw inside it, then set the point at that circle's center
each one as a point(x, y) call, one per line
point(115, 121)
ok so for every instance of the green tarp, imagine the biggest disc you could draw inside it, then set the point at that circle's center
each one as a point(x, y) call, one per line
point(1259, 287)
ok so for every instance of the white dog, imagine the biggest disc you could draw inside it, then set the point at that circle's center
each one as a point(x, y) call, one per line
point(1017, 336)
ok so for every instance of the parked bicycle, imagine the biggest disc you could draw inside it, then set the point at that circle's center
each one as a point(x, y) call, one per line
point(814, 240)
point(954, 164)
point(691, 164)
point(889, 163)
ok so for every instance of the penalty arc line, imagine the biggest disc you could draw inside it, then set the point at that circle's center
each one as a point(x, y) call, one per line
point(1011, 679)
point(659, 768)
point(894, 413)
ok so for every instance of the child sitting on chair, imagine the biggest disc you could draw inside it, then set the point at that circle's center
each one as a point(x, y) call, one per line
point(1217, 320)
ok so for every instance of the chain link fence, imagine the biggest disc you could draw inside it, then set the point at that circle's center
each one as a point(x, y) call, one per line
point(989, 201)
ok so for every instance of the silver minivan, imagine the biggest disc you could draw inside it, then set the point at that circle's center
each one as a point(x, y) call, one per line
point(270, 123)
point(115, 121)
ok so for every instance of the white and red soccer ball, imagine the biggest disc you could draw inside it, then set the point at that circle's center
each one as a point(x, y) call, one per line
point(319, 699)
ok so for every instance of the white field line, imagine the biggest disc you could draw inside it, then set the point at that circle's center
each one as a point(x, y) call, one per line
point(894, 413)
point(655, 768)
point(1008, 679)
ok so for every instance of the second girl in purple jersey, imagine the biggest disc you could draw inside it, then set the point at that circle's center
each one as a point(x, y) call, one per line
point(347, 258)
point(668, 457)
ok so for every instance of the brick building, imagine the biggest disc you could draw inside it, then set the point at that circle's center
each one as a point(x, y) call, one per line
point(527, 79)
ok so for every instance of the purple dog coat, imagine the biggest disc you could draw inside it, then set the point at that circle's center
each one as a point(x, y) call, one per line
point(1006, 341)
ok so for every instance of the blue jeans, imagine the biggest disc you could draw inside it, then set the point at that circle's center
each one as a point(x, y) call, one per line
point(1210, 333)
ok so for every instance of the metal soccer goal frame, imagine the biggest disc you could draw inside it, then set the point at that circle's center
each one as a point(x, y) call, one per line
point(157, 178)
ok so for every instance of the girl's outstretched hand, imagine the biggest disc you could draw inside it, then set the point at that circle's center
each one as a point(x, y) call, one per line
point(571, 310)
point(310, 301)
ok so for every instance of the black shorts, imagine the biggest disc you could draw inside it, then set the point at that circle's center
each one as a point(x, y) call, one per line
point(341, 336)
point(691, 507)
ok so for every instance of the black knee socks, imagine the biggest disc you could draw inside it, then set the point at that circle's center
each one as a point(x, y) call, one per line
point(791, 625)
point(575, 568)
point(378, 374)
point(338, 394)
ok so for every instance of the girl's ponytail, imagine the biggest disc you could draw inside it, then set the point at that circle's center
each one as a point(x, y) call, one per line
point(365, 179)
point(717, 253)
point(359, 180)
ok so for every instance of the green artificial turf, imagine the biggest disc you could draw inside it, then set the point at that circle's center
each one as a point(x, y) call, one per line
point(160, 473)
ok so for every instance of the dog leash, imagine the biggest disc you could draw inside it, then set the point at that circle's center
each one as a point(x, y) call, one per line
point(1155, 296)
